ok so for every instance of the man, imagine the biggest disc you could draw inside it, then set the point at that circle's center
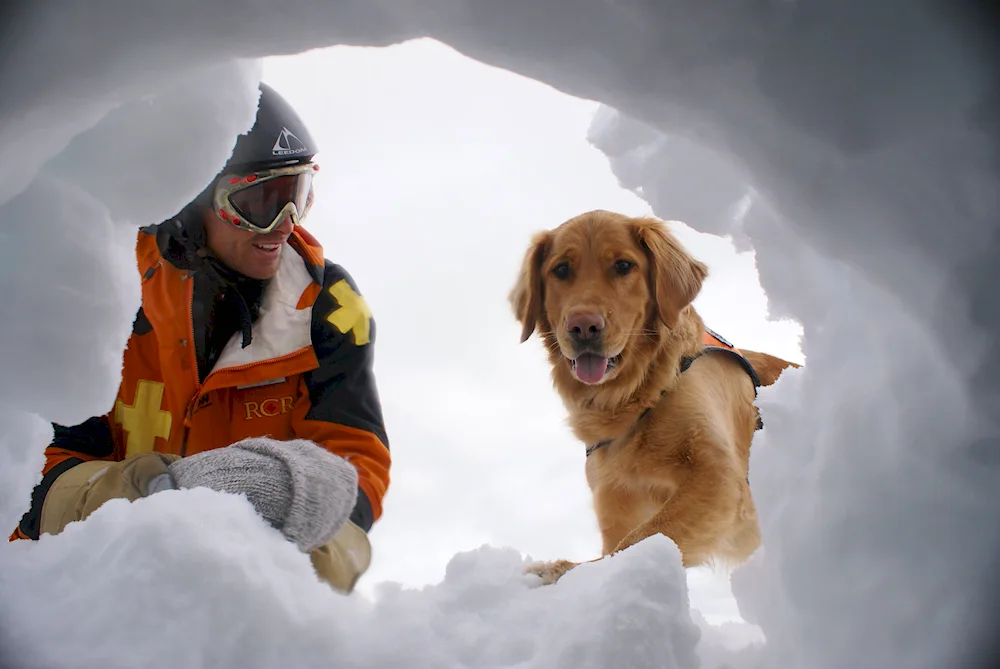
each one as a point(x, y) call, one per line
point(249, 368)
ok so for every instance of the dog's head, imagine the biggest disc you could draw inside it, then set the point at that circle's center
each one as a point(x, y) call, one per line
point(598, 287)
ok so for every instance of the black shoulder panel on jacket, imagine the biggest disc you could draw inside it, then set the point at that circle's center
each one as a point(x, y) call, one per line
point(91, 437)
point(342, 389)
point(141, 324)
point(362, 516)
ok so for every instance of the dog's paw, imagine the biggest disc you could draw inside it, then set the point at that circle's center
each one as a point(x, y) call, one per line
point(550, 572)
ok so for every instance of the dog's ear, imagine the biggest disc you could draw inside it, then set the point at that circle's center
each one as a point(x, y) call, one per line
point(526, 297)
point(676, 276)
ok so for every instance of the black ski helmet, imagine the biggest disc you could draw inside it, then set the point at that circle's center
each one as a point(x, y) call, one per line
point(278, 136)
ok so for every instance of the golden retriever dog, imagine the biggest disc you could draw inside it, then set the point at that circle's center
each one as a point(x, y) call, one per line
point(665, 407)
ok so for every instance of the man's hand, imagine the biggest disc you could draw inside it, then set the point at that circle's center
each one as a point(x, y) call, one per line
point(81, 490)
point(300, 488)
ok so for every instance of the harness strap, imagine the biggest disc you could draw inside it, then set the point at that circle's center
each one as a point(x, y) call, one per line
point(600, 444)
point(713, 342)
point(744, 363)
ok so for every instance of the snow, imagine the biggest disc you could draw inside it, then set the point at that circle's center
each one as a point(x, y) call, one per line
point(859, 164)
point(221, 588)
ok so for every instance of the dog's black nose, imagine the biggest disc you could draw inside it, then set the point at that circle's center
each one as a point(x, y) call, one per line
point(585, 326)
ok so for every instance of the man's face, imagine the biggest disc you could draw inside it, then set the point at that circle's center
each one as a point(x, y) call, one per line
point(249, 253)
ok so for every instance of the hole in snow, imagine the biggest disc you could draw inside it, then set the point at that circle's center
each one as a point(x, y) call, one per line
point(437, 169)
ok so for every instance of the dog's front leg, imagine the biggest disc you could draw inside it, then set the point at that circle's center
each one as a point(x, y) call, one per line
point(618, 513)
point(616, 517)
point(666, 522)
point(696, 517)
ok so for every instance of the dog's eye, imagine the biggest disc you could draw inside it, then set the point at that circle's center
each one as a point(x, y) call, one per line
point(624, 266)
point(561, 271)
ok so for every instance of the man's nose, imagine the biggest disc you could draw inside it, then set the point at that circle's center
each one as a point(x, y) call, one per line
point(585, 325)
point(285, 227)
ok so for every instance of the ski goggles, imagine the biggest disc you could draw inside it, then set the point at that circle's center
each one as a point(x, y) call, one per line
point(261, 200)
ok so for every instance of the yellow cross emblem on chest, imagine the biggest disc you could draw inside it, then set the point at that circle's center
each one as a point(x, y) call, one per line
point(353, 314)
point(143, 420)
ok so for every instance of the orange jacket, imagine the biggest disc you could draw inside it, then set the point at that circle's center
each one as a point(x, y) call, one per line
point(306, 373)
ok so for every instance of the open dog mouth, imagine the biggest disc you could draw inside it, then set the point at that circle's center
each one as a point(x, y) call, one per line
point(592, 368)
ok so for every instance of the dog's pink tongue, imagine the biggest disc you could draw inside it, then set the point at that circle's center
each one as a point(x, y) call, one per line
point(591, 368)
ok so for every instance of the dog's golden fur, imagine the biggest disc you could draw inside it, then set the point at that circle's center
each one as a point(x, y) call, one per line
point(680, 470)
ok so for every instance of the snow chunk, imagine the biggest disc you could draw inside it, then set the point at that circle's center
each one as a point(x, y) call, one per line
point(193, 558)
point(71, 292)
point(197, 557)
point(68, 239)
point(22, 443)
point(151, 153)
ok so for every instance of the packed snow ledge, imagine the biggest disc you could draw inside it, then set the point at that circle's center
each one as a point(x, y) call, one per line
point(195, 579)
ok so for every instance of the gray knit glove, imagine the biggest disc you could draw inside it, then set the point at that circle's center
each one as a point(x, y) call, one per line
point(302, 489)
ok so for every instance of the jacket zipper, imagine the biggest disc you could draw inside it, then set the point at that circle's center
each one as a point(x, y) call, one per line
point(200, 386)
point(189, 410)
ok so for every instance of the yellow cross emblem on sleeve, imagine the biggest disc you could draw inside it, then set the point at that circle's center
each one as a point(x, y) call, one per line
point(143, 420)
point(353, 314)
